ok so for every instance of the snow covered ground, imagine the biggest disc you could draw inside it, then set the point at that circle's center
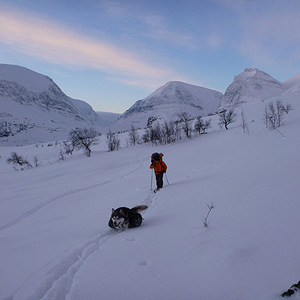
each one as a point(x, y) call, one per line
point(55, 242)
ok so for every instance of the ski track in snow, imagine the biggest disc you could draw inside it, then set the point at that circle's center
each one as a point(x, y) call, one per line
point(54, 199)
point(150, 198)
point(55, 279)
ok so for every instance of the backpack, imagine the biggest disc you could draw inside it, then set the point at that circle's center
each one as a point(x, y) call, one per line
point(157, 156)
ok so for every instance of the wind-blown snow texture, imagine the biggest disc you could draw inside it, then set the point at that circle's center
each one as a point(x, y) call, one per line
point(55, 242)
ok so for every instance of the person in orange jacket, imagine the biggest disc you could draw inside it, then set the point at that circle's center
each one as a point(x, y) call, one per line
point(159, 167)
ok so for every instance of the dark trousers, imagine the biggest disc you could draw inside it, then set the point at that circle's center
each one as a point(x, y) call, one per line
point(159, 180)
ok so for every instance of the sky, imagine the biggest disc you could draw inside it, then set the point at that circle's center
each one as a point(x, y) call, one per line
point(113, 53)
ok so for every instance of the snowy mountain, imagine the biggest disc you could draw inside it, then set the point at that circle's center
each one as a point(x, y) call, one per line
point(292, 81)
point(34, 108)
point(250, 86)
point(107, 118)
point(86, 111)
point(103, 120)
point(56, 244)
point(167, 102)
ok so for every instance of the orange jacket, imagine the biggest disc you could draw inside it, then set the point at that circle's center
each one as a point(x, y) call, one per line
point(159, 166)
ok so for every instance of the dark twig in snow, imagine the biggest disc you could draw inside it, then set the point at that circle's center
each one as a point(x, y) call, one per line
point(205, 220)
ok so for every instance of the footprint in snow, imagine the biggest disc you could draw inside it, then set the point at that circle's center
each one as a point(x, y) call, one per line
point(142, 263)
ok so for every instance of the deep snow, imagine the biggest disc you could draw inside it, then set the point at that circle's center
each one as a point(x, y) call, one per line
point(55, 242)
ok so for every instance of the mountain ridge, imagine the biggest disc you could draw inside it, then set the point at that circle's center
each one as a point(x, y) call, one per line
point(34, 108)
point(251, 86)
point(168, 101)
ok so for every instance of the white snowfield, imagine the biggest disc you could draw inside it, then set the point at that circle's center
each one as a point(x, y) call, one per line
point(55, 242)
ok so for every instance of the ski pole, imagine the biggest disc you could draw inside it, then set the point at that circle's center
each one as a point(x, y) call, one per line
point(151, 179)
point(167, 179)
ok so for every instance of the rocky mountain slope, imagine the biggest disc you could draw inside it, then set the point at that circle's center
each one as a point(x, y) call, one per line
point(167, 102)
point(34, 108)
point(250, 86)
point(292, 81)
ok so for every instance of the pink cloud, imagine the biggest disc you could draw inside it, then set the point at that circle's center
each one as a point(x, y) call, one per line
point(57, 44)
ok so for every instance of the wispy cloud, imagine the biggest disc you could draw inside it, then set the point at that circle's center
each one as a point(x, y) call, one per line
point(269, 30)
point(147, 25)
point(57, 44)
point(158, 29)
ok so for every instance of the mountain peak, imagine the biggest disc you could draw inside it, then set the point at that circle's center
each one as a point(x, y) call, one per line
point(250, 86)
point(253, 73)
point(295, 80)
point(167, 102)
point(174, 83)
point(32, 81)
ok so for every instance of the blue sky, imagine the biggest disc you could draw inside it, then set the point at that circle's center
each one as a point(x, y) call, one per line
point(113, 53)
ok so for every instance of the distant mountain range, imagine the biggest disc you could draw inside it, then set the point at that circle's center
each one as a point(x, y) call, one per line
point(167, 102)
point(34, 109)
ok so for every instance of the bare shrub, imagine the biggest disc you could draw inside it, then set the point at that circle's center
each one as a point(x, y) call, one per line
point(113, 142)
point(134, 137)
point(169, 132)
point(18, 162)
point(186, 120)
point(227, 117)
point(69, 148)
point(84, 139)
point(205, 219)
point(274, 114)
point(201, 126)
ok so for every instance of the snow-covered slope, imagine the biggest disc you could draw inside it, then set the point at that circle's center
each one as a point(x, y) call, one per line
point(102, 119)
point(252, 85)
point(107, 118)
point(87, 111)
point(55, 242)
point(34, 109)
point(167, 102)
point(292, 81)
